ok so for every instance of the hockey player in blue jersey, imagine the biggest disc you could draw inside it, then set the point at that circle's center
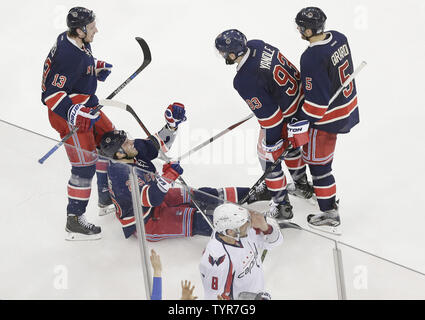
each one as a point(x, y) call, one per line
point(168, 211)
point(270, 85)
point(69, 83)
point(325, 65)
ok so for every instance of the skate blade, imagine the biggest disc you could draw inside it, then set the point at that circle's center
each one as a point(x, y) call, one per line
point(311, 201)
point(288, 225)
point(336, 231)
point(73, 236)
point(107, 210)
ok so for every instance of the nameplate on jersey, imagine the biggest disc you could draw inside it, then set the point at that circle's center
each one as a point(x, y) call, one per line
point(340, 54)
point(266, 58)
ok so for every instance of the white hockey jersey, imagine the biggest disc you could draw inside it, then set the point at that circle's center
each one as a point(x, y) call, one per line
point(228, 270)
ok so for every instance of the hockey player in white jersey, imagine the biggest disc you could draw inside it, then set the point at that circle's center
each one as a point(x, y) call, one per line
point(231, 262)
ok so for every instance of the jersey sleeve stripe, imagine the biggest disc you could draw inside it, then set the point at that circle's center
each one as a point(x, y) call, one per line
point(294, 106)
point(339, 113)
point(161, 142)
point(79, 98)
point(55, 99)
point(145, 197)
point(271, 121)
point(314, 110)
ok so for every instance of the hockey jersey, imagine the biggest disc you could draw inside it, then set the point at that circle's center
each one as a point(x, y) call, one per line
point(152, 194)
point(228, 270)
point(270, 85)
point(69, 76)
point(325, 65)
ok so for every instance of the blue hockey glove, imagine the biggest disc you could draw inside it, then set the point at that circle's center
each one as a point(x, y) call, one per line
point(103, 70)
point(175, 114)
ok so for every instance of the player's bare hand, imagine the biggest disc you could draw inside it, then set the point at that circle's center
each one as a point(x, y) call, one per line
point(258, 221)
point(156, 263)
point(187, 291)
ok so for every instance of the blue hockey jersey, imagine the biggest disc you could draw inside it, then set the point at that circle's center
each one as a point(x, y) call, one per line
point(325, 65)
point(69, 76)
point(120, 186)
point(270, 85)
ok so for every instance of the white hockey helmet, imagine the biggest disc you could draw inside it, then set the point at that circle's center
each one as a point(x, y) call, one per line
point(229, 216)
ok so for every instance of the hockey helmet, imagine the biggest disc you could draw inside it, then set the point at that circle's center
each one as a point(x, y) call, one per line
point(231, 41)
point(79, 17)
point(112, 142)
point(311, 18)
point(229, 216)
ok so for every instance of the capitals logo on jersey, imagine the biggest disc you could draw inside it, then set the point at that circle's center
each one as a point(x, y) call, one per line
point(216, 261)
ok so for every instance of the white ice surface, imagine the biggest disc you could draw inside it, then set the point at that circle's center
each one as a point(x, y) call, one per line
point(379, 166)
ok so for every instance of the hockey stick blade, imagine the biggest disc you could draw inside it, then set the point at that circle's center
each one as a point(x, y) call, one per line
point(288, 225)
point(147, 58)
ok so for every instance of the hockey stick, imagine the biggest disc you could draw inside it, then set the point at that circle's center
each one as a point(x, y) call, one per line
point(284, 224)
point(286, 151)
point(121, 105)
point(156, 144)
point(147, 58)
point(218, 135)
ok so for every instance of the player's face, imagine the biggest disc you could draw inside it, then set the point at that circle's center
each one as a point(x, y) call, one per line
point(128, 147)
point(91, 29)
point(243, 230)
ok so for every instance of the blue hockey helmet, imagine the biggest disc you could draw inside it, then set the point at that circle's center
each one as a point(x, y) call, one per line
point(79, 17)
point(312, 18)
point(112, 142)
point(231, 41)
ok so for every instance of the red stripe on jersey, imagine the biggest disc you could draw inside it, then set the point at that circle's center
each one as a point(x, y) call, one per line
point(118, 210)
point(79, 98)
point(53, 100)
point(272, 121)
point(314, 110)
point(229, 283)
point(145, 197)
point(339, 112)
point(294, 107)
point(79, 193)
point(127, 221)
point(276, 184)
point(325, 192)
point(230, 194)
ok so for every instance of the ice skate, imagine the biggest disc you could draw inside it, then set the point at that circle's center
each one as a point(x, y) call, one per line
point(105, 203)
point(261, 194)
point(105, 209)
point(302, 188)
point(79, 229)
point(280, 211)
point(328, 221)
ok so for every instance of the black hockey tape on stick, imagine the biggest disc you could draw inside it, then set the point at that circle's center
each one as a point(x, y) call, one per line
point(147, 58)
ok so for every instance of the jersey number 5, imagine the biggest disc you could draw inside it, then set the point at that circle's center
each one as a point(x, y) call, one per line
point(282, 76)
point(343, 77)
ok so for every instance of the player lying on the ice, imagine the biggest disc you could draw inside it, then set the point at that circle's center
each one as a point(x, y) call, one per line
point(168, 212)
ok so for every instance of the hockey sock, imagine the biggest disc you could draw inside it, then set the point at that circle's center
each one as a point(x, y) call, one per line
point(102, 181)
point(324, 185)
point(79, 189)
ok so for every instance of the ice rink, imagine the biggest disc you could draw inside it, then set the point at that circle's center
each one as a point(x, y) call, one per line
point(379, 166)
